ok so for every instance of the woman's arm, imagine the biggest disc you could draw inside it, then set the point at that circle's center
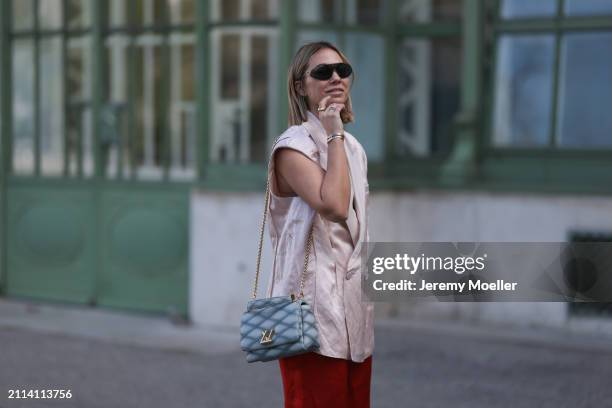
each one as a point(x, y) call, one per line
point(328, 192)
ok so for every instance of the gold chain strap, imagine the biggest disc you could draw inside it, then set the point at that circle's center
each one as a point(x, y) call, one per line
point(261, 234)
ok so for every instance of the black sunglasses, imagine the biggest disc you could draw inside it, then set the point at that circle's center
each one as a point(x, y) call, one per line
point(323, 72)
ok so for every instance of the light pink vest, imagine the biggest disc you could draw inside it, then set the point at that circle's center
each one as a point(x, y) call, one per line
point(333, 278)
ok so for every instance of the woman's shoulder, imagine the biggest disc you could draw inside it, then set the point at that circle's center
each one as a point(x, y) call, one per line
point(295, 134)
point(296, 137)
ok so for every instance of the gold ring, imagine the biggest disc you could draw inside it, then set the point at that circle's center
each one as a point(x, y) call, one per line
point(320, 109)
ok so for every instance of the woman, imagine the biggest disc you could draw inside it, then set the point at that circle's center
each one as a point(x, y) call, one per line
point(318, 178)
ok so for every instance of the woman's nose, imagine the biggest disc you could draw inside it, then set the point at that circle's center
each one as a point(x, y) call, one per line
point(335, 77)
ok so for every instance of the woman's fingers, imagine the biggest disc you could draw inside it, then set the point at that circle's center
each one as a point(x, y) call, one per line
point(334, 109)
point(330, 117)
point(323, 102)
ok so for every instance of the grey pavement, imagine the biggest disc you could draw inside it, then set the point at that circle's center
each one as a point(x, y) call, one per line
point(113, 359)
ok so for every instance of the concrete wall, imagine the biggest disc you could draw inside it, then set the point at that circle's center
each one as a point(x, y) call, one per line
point(224, 239)
point(225, 229)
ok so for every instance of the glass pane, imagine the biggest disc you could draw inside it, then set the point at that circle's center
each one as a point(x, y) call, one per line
point(118, 12)
point(523, 90)
point(319, 11)
point(244, 100)
point(259, 97)
point(149, 115)
point(117, 67)
point(429, 91)
point(365, 11)
point(79, 13)
point(260, 9)
point(187, 70)
point(51, 70)
point(425, 11)
point(23, 14)
point(160, 11)
point(139, 107)
point(230, 66)
point(140, 12)
point(145, 105)
point(528, 8)
point(182, 106)
point(23, 106)
point(50, 14)
point(585, 93)
point(73, 133)
point(307, 36)
point(78, 73)
point(78, 127)
point(78, 88)
point(366, 54)
point(87, 142)
point(131, 12)
point(587, 7)
point(265, 9)
point(231, 10)
point(182, 11)
point(115, 119)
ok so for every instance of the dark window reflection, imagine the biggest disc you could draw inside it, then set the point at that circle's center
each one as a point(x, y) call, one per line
point(259, 97)
point(429, 89)
point(230, 63)
point(523, 90)
point(585, 94)
point(426, 11)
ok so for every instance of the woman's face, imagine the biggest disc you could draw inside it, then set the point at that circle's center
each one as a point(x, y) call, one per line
point(335, 86)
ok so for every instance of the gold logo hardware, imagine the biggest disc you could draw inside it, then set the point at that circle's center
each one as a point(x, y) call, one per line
point(266, 336)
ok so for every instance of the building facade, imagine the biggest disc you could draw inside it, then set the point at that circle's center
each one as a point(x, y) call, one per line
point(135, 135)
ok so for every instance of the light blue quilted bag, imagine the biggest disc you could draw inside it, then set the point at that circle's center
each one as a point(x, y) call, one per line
point(279, 326)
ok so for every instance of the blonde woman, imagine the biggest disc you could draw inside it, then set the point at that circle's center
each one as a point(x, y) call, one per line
point(318, 177)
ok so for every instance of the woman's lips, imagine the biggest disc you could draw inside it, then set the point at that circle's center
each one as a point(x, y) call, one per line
point(335, 91)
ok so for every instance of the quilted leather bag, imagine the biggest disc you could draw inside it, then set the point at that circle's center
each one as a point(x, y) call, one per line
point(279, 326)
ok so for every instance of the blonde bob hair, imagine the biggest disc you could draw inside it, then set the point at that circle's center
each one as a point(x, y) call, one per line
point(298, 105)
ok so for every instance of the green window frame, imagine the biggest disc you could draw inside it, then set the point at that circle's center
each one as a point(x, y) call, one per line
point(556, 25)
point(146, 46)
point(548, 168)
point(471, 164)
point(35, 34)
point(217, 175)
point(96, 28)
point(393, 170)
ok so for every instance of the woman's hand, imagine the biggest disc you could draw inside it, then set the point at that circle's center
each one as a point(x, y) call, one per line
point(330, 117)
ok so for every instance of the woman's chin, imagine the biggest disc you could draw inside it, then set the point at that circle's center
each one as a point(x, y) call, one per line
point(337, 99)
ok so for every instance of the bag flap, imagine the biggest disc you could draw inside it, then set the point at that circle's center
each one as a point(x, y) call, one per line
point(276, 321)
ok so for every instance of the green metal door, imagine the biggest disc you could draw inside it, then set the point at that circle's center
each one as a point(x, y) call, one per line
point(98, 131)
point(111, 245)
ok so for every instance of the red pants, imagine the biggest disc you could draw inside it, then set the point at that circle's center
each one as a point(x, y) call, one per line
point(311, 380)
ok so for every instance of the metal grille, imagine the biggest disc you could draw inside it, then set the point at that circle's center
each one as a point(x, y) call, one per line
point(590, 309)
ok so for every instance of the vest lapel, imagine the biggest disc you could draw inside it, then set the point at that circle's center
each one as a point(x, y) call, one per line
point(351, 221)
point(358, 187)
point(316, 131)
